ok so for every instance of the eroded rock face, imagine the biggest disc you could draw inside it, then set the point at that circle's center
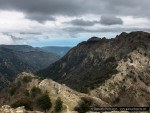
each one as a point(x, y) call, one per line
point(131, 85)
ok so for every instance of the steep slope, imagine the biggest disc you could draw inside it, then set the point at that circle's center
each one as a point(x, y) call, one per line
point(10, 66)
point(91, 63)
point(61, 51)
point(70, 98)
point(16, 59)
point(131, 85)
point(36, 58)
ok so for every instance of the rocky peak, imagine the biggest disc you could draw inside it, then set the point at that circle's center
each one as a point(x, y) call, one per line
point(95, 39)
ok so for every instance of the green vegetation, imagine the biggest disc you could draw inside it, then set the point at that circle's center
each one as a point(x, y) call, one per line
point(43, 102)
point(14, 88)
point(84, 105)
point(27, 79)
point(97, 75)
point(58, 104)
point(24, 101)
point(116, 100)
point(35, 91)
point(26, 93)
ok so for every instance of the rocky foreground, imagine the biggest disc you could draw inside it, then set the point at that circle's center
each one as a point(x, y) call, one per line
point(8, 109)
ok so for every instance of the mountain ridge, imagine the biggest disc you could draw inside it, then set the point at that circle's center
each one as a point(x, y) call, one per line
point(75, 67)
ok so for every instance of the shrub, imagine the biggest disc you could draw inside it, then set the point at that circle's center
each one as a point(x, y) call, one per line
point(43, 102)
point(84, 105)
point(58, 104)
point(35, 91)
point(24, 101)
point(16, 85)
point(26, 93)
point(13, 90)
point(116, 100)
point(27, 79)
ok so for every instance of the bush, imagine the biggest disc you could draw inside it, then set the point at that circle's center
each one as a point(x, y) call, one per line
point(14, 86)
point(116, 100)
point(26, 92)
point(58, 104)
point(35, 91)
point(43, 102)
point(27, 79)
point(24, 101)
point(84, 105)
point(13, 90)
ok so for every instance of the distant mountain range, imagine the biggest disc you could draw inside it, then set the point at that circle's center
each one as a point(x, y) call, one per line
point(18, 58)
point(61, 51)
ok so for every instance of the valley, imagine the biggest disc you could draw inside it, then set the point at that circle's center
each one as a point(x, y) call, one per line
point(99, 72)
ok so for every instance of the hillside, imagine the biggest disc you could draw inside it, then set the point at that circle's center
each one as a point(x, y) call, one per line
point(23, 86)
point(16, 59)
point(115, 70)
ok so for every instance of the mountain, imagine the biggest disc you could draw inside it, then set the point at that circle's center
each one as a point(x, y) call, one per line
point(20, 48)
point(61, 51)
point(115, 70)
point(17, 58)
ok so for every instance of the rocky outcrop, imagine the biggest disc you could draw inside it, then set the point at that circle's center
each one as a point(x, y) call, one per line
point(8, 109)
point(131, 85)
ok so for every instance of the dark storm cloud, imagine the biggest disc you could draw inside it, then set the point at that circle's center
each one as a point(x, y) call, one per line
point(81, 22)
point(110, 20)
point(42, 10)
point(40, 18)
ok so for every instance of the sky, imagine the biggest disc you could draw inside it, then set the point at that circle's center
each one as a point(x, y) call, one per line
point(68, 22)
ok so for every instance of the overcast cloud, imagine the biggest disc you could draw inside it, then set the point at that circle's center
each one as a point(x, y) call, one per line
point(71, 18)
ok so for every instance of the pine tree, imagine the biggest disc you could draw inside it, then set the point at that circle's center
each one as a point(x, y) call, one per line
point(58, 104)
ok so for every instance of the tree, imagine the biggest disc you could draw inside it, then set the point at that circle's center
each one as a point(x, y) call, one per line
point(84, 106)
point(58, 104)
point(43, 102)
point(27, 79)
point(35, 91)
point(23, 101)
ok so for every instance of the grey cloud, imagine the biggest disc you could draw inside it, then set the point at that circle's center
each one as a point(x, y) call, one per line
point(40, 17)
point(110, 20)
point(30, 33)
point(104, 30)
point(42, 10)
point(81, 22)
